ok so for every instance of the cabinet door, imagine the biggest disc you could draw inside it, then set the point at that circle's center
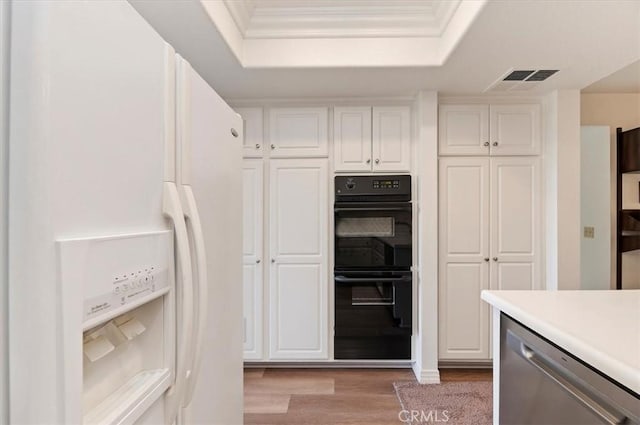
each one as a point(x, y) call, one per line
point(298, 132)
point(463, 130)
point(352, 138)
point(253, 230)
point(298, 285)
point(252, 146)
point(391, 139)
point(463, 260)
point(515, 129)
point(515, 223)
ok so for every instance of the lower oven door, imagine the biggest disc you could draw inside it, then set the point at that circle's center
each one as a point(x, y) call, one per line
point(373, 315)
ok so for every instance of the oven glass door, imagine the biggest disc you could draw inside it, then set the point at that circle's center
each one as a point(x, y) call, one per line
point(373, 315)
point(373, 236)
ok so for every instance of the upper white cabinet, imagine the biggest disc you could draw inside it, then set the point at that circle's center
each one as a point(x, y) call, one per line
point(298, 132)
point(253, 145)
point(352, 138)
point(374, 139)
point(489, 238)
point(298, 283)
point(496, 130)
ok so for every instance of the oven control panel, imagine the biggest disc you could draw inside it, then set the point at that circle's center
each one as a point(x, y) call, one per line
point(379, 188)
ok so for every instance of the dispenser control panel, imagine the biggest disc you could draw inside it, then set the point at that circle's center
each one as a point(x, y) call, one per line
point(115, 274)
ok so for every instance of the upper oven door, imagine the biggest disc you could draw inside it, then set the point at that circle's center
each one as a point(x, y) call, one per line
point(373, 235)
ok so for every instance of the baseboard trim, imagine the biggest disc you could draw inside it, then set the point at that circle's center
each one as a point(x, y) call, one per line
point(426, 376)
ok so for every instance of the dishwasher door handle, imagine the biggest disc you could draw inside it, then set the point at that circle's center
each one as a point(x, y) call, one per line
point(518, 346)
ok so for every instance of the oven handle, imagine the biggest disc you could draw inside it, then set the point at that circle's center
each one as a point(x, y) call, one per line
point(342, 209)
point(344, 279)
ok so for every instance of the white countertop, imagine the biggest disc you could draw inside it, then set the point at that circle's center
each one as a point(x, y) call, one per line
point(602, 328)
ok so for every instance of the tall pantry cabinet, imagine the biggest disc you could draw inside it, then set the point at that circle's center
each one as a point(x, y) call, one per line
point(489, 217)
point(285, 250)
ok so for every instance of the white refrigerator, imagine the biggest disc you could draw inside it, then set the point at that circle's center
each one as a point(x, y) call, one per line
point(123, 178)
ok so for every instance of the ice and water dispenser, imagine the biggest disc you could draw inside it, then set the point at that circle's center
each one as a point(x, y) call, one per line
point(118, 326)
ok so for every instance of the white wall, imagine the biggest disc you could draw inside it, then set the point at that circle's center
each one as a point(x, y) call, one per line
point(613, 110)
point(562, 187)
point(595, 176)
point(426, 136)
point(4, 138)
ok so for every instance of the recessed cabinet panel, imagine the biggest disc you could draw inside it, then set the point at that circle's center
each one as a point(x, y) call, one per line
point(252, 302)
point(391, 139)
point(516, 221)
point(513, 276)
point(352, 138)
point(464, 330)
point(298, 305)
point(463, 129)
point(252, 208)
point(298, 132)
point(515, 129)
point(464, 208)
point(252, 145)
point(298, 199)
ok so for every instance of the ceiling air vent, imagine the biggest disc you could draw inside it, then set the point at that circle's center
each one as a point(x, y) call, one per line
point(520, 80)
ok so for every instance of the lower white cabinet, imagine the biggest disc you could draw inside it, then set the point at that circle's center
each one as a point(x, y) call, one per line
point(253, 229)
point(489, 238)
point(298, 281)
point(286, 315)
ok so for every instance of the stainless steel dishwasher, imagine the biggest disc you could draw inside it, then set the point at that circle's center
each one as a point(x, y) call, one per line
point(541, 384)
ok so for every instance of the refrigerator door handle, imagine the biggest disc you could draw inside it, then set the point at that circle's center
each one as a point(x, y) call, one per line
point(171, 208)
point(191, 212)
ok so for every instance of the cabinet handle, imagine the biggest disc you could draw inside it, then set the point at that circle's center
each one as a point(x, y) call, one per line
point(257, 145)
point(273, 260)
point(495, 258)
point(486, 259)
point(486, 143)
point(377, 161)
point(369, 161)
point(495, 143)
point(258, 261)
point(273, 146)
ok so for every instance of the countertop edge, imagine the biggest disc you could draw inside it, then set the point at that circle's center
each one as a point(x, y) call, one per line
point(615, 369)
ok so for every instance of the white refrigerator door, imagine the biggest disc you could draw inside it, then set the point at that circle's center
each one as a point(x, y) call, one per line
point(88, 102)
point(211, 163)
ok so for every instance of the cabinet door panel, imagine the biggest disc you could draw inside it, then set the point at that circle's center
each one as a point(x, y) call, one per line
point(515, 129)
point(252, 145)
point(464, 208)
point(298, 132)
point(391, 139)
point(515, 223)
point(253, 230)
point(252, 307)
point(464, 325)
point(298, 312)
point(352, 138)
point(299, 208)
point(463, 129)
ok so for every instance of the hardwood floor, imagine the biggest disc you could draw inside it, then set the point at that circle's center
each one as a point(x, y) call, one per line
point(331, 396)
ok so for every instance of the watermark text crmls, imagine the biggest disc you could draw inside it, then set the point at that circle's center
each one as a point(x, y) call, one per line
point(423, 416)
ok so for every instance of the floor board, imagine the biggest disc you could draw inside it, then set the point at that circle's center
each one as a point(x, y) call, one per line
point(332, 396)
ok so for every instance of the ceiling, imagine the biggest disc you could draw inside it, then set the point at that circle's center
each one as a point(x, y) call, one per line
point(625, 80)
point(586, 40)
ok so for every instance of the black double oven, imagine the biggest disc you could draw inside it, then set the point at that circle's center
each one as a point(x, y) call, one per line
point(373, 257)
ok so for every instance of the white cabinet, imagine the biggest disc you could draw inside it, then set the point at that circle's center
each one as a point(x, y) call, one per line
point(496, 130)
point(298, 132)
point(489, 218)
point(253, 145)
point(374, 139)
point(253, 229)
point(298, 291)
